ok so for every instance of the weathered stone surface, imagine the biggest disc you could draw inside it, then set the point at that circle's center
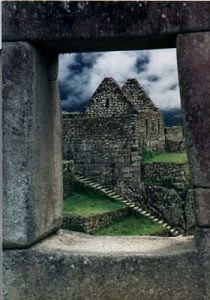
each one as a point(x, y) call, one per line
point(32, 169)
point(1, 190)
point(202, 207)
point(203, 245)
point(66, 26)
point(193, 52)
point(190, 211)
point(78, 266)
point(166, 204)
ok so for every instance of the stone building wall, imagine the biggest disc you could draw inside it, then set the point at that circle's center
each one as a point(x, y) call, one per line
point(152, 131)
point(104, 149)
point(151, 119)
point(174, 139)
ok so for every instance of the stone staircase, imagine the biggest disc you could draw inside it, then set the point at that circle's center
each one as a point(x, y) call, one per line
point(128, 202)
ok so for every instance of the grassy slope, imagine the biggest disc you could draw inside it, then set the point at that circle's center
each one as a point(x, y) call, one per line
point(169, 157)
point(132, 225)
point(85, 202)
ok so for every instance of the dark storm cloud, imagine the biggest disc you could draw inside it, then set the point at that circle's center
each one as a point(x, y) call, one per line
point(80, 74)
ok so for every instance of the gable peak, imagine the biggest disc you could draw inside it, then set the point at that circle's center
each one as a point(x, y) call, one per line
point(132, 82)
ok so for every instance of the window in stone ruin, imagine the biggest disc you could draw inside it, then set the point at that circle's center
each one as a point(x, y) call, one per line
point(144, 87)
point(107, 103)
point(146, 126)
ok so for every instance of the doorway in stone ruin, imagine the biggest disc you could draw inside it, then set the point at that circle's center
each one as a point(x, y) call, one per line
point(125, 167)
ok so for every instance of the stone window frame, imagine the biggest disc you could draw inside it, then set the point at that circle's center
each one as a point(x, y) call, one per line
point(62, 46)
point(173, 27)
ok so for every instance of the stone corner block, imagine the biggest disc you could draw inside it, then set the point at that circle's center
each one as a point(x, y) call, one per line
point(32, 169)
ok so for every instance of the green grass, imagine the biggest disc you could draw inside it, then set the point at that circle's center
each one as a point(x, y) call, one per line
point(167, 157)
point(132, 225)
point(85, 202)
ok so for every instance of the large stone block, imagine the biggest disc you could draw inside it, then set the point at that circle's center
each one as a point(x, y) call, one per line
point(81, 26)
point(202, 207)
point(32, 168)
point(193, 53)
point(77, 267)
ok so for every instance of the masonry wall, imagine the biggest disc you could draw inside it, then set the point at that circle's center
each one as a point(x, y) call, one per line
point(104, 149)
point(108, 100)
point(88, 224)
point(152, 131)
point(151, 119)
point(170, 172)
point(169, 193)
point(174, 138)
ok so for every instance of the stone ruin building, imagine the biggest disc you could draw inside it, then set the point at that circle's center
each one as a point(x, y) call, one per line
point(106, 139)
point(105, 143)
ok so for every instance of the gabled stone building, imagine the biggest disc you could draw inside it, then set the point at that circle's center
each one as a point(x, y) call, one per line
point(152, 136)
point(109, 100)
point(107, 138)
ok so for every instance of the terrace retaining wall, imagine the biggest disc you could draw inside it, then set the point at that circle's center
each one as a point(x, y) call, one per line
point(90, 223)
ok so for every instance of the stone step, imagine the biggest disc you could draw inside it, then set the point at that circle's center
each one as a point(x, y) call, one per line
point(129, 203)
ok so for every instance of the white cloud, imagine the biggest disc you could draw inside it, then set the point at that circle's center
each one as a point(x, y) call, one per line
point(156, 71)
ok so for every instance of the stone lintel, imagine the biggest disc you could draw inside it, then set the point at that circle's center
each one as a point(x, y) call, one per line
point(91, 26)
point(193, 54)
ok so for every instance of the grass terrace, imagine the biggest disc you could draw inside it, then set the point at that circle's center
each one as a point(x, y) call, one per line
point(166, 157)
point(133, 225)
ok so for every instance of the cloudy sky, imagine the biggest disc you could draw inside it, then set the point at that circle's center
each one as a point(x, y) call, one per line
point(156, 70)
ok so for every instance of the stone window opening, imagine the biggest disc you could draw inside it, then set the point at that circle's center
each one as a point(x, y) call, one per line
point(146, 125)
point(107, 103)
point(96, 107)
point(88, 153)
